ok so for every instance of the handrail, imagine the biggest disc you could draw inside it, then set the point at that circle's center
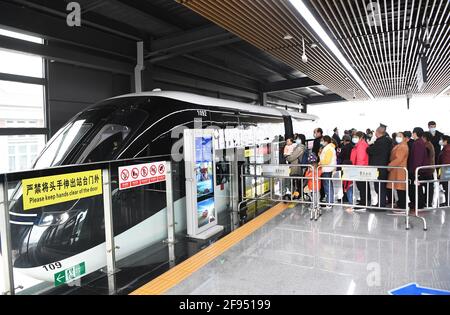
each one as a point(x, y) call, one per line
point(418, 182)
point(74, 167)
point(106, 169)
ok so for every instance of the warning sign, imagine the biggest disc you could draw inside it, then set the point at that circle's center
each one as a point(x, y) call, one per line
point(142, 174)
point(49, 190)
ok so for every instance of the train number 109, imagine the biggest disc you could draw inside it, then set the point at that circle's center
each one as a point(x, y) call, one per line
point(52, 266)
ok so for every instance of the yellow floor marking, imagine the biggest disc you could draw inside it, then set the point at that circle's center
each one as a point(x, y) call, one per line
point(174, 276)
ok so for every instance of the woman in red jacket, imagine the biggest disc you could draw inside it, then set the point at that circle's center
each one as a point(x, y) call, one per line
point(359, 156)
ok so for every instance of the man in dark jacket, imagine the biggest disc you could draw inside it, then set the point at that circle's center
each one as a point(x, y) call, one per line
point(444, 159)
point(346, 150)
point(336, 137)
point(435, 139)
point(409, 142)
point(417, 157)
point(318, 134)
point(379, 155)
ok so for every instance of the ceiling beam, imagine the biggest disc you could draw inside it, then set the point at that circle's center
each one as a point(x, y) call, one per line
point(287, 85)
point(51, 27)
point(71, 56)
point(195, 69)
point(188, 42)
point(172, 77)
point(325, 99)
point(268, 63)
point(154, 11)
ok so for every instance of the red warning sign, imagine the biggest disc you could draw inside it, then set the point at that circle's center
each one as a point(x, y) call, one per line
point(124, 174)
point(142, 174)
point(161, 168)
point(153, 170)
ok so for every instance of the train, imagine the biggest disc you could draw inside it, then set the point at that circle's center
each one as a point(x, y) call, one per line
point(139, 125)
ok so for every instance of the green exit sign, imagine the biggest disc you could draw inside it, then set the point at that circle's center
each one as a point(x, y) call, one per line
point(70, 274)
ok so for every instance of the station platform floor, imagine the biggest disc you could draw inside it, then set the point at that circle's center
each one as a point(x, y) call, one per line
point(283, 252)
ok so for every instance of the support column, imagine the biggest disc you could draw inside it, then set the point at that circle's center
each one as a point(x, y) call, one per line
point(139, 67)
point(262, 98)
point(304, 108)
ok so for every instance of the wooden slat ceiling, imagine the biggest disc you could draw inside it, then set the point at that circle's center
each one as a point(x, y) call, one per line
point(385, 57)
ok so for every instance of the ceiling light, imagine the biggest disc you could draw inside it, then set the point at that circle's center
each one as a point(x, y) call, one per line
point(444, 91)
point(304, 57)
point(318, 29)
point(314, 45)
point(288, 37)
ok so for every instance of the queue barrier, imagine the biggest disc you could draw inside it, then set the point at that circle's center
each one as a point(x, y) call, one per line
point(367, 176)
point(104, 172)
point(431, 187)
point(280, 185)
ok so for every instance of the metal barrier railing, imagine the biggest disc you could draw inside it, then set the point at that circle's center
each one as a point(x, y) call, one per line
point(152, 170)
point(428, 197)
point(364, 177)
point(280, 174)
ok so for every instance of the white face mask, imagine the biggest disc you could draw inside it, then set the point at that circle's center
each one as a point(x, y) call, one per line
point(355, 140)
point(298, 141)
point(441, 143)
point(399, 139)
point(432, 130)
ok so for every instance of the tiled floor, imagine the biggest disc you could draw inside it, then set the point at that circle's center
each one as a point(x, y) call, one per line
point(341, 253)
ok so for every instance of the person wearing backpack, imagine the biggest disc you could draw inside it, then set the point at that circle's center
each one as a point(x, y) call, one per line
point(294, 158)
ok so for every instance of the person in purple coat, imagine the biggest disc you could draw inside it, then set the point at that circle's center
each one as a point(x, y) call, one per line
point(418, 156)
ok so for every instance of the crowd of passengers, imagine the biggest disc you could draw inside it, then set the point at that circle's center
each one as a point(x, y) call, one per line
point(404, 149)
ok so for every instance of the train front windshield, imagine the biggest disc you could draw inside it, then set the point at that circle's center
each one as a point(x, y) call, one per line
point(94, 135)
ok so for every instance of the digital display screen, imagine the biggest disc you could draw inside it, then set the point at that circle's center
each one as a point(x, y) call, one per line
point(205, 212)
point(205, 179)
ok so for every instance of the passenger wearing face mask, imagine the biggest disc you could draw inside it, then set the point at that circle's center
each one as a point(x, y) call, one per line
point(359, 156)
point(444, 159)
point(328, 157)
point(296, 154)
point(295, 158)
point(398, 158)
point(436, 137)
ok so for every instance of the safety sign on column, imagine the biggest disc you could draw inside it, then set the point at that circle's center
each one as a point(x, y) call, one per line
point(141, 174)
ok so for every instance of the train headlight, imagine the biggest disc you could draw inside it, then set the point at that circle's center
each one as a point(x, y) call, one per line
point(55, 218)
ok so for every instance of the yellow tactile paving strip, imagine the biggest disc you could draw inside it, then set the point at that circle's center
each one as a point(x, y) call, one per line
point(174, 276)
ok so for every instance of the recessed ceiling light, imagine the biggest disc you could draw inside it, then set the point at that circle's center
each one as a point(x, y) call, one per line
point(314, 45)
point(288, 37)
